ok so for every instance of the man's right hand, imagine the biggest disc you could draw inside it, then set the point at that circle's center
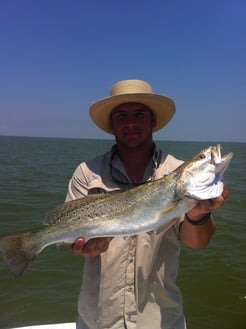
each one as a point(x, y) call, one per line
point(93, 247)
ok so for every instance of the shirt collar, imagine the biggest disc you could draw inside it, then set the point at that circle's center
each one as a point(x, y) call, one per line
point(118, 171)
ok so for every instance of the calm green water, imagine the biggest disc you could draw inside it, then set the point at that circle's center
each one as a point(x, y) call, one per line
point(34, 173)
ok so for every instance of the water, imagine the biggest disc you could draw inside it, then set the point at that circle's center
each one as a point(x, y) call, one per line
point(34, 174)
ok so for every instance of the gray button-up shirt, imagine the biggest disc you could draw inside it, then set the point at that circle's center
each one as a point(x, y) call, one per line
point(133, 284)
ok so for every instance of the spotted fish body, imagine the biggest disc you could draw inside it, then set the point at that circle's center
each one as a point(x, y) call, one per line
point(144, 208)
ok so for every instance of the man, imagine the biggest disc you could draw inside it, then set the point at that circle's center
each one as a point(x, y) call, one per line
point(129, 282)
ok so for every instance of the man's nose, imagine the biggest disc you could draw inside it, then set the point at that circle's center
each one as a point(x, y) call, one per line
point(131, 119)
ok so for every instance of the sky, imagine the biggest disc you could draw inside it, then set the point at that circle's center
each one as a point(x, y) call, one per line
point(57, 57)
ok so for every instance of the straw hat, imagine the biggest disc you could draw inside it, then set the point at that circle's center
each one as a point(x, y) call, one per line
point(128, 91)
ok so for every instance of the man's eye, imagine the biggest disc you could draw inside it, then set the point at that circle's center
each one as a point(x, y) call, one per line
point(120, 116)
point(140, 114)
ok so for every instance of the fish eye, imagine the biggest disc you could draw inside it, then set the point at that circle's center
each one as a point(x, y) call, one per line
point(202, 156)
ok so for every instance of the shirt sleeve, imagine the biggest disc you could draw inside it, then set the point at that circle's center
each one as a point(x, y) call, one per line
point(78, 184)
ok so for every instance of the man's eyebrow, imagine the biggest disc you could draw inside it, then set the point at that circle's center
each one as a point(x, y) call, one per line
point(143, 110)
point(117, 111)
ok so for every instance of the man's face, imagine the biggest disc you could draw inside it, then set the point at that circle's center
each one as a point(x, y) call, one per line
point(132, 123)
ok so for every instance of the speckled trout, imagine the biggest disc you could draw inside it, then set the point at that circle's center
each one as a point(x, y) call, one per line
point(154, 205)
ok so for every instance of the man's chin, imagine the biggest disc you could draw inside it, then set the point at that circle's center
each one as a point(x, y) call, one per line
point(133, 142)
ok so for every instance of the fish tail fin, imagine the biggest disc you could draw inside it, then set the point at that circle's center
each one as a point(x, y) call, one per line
point(18, 251)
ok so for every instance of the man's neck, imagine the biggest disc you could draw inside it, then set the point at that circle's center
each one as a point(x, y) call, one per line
point(136, 160)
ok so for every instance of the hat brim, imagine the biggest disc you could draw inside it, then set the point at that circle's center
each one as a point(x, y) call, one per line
point(162, 107)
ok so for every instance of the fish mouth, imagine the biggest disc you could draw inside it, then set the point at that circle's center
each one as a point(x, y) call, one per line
point(221, 163)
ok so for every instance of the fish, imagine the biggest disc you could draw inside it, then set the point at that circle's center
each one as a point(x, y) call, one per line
point(155, 205)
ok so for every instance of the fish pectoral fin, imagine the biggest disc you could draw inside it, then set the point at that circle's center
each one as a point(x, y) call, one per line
point(171, 222)
point(166, 210)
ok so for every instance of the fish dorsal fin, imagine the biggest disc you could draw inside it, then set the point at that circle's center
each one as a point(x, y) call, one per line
point(67, 208)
